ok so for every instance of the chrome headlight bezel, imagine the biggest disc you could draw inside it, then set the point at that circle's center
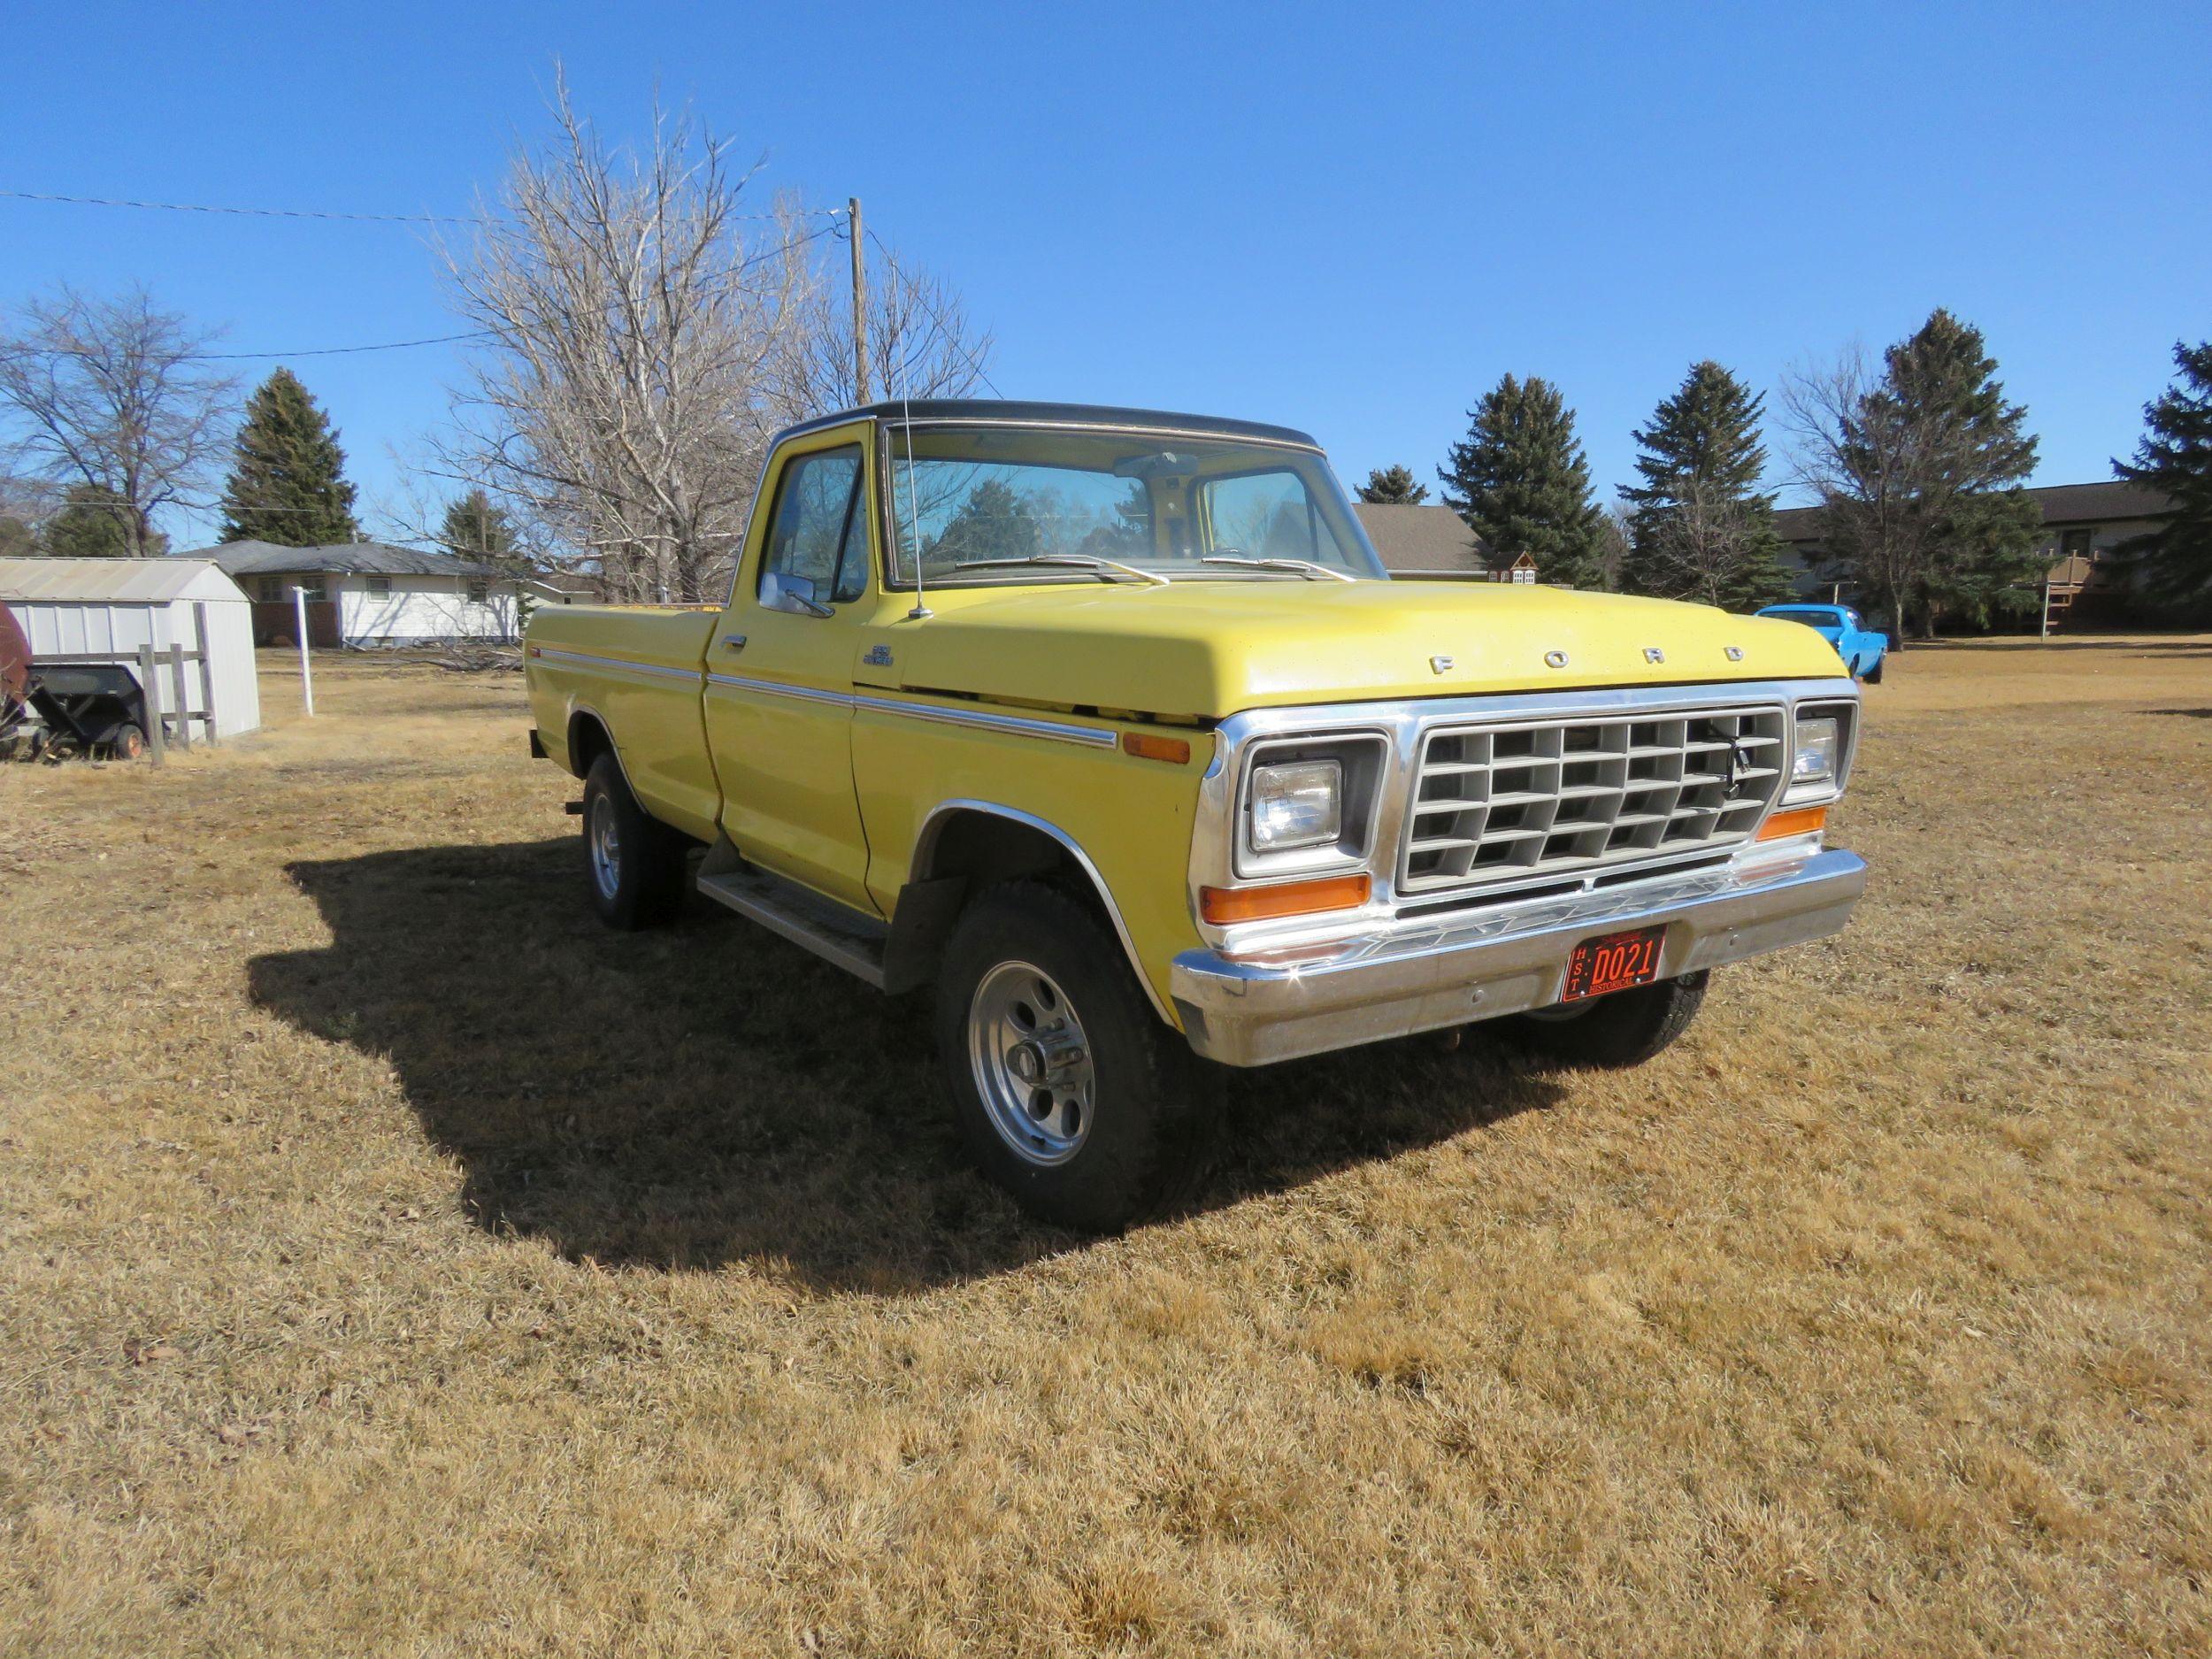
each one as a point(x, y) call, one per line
point(1359, 760)
point(1816, 727)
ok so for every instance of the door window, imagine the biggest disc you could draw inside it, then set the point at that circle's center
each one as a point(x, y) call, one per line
point(819, 533)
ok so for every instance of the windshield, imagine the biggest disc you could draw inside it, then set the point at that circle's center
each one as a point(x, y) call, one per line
point(1000, 504)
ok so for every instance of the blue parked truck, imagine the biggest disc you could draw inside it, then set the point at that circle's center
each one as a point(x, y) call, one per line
point(1861, 648)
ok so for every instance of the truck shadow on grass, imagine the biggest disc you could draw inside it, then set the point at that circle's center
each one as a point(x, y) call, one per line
point(706, 1093)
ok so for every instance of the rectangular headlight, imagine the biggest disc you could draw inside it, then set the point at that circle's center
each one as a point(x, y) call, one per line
point(1296, 803)
point(1814, 762)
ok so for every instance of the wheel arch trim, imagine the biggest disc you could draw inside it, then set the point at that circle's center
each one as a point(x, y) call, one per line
point(932, 828)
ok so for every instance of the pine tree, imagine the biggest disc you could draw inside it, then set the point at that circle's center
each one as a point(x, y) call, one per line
point(477, 527)
point(90, 525)
point(1984, 534)
point(1520, 481)
point(1699, 528)
point(2175, 457)
point(1393, 485)
point(287, 484)
point(1919, 472)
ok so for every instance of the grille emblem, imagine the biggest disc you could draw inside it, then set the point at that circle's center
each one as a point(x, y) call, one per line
point(1555, 659)
point(1440, 664)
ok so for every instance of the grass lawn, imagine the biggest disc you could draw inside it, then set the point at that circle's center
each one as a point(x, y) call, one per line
point(393, 1260)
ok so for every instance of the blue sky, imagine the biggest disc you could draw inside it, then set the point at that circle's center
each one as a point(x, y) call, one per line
point(1333, 217)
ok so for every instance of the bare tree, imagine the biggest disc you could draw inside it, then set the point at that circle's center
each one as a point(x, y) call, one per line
point(634, 332)
point(1869, 473)
point(919, 337)
point(646, 328)
point(117, 396)
point(1696, 549)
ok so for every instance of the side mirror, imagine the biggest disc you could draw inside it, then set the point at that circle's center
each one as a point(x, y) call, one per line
point(781, 591)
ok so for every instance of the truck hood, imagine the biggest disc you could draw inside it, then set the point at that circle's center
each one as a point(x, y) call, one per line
point(1203, 650)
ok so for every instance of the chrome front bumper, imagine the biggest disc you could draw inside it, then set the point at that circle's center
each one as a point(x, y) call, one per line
point(1429, 972)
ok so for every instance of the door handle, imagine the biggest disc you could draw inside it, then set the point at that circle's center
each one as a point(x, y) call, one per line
point(735, 641)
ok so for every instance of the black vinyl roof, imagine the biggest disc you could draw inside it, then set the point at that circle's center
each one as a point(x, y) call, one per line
point(1010, 412)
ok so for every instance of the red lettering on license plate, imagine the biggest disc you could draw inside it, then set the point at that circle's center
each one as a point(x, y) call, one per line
point(1614, 962)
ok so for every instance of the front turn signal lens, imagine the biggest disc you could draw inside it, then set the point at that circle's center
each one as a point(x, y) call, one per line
point(1152, 746)
point(1224, 905)
point(1803, 820)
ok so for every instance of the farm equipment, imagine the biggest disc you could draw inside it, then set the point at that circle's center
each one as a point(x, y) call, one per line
point(67, 709)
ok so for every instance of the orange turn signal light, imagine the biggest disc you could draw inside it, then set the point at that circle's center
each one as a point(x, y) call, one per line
point(1797, 821)
point(1224, 905)
point(1148, 746)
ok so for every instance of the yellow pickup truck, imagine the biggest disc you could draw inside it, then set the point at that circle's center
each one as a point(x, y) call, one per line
point(1109, 724)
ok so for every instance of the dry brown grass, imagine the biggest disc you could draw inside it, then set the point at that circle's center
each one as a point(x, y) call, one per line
point(392, 1261)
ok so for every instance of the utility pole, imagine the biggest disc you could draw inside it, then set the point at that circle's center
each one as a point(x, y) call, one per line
point(860, 303)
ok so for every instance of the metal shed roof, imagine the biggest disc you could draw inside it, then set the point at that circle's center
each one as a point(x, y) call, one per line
point(360, 558)
point(114, 581)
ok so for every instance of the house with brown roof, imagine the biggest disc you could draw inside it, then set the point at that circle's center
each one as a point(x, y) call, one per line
point(2085, 527)
point(1432, 543)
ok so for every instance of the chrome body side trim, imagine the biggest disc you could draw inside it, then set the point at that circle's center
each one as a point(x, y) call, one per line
point(937, 713)
point(1425, 974)
point(926, 847)
point(984, 720)
point(618, 664)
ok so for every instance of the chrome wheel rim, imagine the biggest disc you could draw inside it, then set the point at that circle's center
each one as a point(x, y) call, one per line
point(1032, 1063)
point(605, 841)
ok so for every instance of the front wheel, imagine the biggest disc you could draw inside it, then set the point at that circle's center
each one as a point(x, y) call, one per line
point(1624, 1029)
point(633, 864)
point(1070, 1093)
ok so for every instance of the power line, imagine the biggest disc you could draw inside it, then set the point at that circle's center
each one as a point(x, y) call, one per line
point(967, 356)
point(244, 212)
point(738, 269)
point(329, 213)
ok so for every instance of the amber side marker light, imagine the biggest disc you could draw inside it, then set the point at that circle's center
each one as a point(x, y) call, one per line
point(1797, 821)
point(1224, 905)
point(1145, 746)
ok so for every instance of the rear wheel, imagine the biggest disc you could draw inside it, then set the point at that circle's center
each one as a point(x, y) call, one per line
point(633, 864)
point(127, 741)
point(1624, 1029)
point(1873, 676)
point(1069, 1092)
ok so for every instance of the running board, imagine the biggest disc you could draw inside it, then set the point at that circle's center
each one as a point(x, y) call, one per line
point(844, 937)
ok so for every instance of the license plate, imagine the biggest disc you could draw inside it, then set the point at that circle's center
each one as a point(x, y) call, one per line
point(1614, 962)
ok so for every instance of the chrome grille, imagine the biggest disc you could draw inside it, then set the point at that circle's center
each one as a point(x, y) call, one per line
point(1540, 798)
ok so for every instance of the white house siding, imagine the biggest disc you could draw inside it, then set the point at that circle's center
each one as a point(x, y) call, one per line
point(416, 610)
point(89, 606)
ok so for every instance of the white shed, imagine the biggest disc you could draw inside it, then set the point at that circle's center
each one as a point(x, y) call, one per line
point(109, 607)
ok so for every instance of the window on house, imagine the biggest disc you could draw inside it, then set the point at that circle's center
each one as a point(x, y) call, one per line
point(379, 586)
point(2076, 543)
point(272, 589)
point(315, 592)
point(480, 591)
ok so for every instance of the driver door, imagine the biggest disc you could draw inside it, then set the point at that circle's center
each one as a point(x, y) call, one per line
point(779, 671)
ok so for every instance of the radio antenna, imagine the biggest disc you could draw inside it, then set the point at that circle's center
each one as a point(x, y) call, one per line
point(921, 611)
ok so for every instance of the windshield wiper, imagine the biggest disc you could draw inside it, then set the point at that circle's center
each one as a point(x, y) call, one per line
point(1097, 567)
point(1304, 567)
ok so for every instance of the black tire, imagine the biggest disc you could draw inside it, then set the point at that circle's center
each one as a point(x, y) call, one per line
point(127, 741)
point(640, 880)
point(1137, 1145)
point(1624, 1029)
point(1873, 675)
